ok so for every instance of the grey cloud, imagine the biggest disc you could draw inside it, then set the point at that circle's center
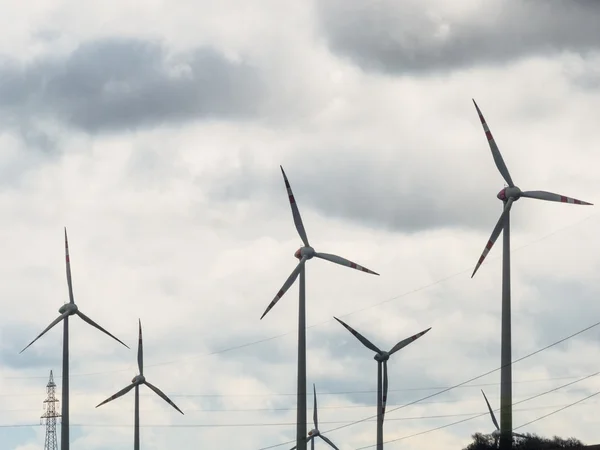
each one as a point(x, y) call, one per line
point(16, 338)
point(402, 197)
point(117, 84)
point(562, 308)
point(409, 37)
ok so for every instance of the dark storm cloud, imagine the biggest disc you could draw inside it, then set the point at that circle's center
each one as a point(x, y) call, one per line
point(412, 37)
point(117, 84)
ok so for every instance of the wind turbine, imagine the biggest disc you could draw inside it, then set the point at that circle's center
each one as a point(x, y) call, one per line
point(135, 383)
point(304, 254)
point(508, 195)
point(496, 432)
point(382, 378)
point(315, 431)
point(66, 310)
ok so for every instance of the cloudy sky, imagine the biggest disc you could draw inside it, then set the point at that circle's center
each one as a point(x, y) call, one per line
point(154, 131)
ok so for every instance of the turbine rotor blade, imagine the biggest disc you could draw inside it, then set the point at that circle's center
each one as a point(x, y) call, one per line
point(162, 395)
point(405, 342)
point(551, 197)
point(68, 263)
point(497, 229)
point(344, 262)
point(95, 325)
point(118, 394)
point(519, 435)
point(385, 390)
point(288, 283)
point(326, 439)
point(494, 148)
point(140, 355)
point(360, 337)
point(315, 415)
point(295, 211)
point(54, 322)
point(491, 412)
point(312, 444)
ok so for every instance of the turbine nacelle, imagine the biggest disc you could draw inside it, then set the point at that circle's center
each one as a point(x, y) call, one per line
point(509, 192)
point(307, 252)
point(314, 432)
point(138, 379)
point(381, 357)
point(71, 308)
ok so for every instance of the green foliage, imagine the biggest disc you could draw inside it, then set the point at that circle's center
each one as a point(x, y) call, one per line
point(528, 442)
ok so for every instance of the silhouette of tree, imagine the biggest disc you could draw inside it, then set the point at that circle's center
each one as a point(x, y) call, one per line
point(528, 442)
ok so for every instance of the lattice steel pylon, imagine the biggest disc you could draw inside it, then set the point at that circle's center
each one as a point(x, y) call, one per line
point(50, 415)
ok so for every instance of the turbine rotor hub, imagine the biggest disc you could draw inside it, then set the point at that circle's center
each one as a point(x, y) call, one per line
point(71, 308)
point(307, 252)
point(313, 432)
point(381, 357)
point(138, 379)
point(509, 192)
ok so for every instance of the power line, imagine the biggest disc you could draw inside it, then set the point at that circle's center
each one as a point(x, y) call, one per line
point(245, 410)
point(559, 410)
point(274, 424)
point(410, 389)
point(374, 305)
point(452, 387)
point(498, 409)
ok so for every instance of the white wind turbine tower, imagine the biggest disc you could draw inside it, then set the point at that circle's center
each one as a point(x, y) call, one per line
point(508, 196)
point(304, 254)
point(314, 433)
point(382, 375)
point(66, 310)
point(136, 382)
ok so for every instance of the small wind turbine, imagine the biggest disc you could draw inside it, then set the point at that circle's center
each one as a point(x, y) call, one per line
point(66, 310)
point(135, 383)
point(304, 254)
point(496, 432)
point(508, 195)
point(312, 434)
point(382, 379)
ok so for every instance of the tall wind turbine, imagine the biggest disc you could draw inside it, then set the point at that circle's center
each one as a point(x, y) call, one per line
point(496, 432)
point(382, 376)
point(304, 254)
point(508, 195)
point(135, 383)
point(66, 310)
point(314, 433)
